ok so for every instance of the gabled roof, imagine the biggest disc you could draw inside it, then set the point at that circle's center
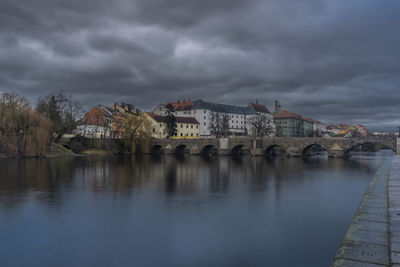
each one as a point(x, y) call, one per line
point(156, 117)
point(182, 105)
point(223, 108)
point(186, 120)
point(105, 110)
point(259, 108)
point(286, 114)
point(123, 107)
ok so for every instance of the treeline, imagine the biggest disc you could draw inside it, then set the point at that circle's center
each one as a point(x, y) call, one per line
point(25, 131)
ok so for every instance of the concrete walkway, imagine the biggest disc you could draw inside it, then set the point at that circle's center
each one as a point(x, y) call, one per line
point(373, 238)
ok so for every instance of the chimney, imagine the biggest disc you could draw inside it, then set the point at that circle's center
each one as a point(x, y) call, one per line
point(277, 106)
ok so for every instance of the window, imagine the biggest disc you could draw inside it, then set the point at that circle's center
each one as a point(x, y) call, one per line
point(197, 126)
point(205, 112)
point(204, 124)
point(187, 126)
point(181, 125)
point(160, 124)
point(191, 134)
point(191, 126)
point(197, 135)
point(181, 134)
point(204, 117)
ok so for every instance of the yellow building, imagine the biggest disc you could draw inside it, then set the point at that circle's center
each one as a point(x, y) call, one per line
point(186, 127)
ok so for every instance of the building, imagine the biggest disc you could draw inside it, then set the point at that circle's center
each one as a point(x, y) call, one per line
point(97, 123)
point(266, 117)
point(345, 130)
point(290, 124)
point(187, 127)
point(125, 109)
point(120, 113)
point(105, 122)
point(217, 119)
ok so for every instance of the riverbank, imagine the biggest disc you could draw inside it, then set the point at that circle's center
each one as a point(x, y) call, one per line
point(373, 238)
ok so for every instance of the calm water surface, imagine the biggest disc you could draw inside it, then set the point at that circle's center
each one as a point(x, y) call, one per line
point(179, 211)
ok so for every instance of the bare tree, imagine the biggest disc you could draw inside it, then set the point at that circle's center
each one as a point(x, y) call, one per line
point(137, 131)
point(261, 125)
point(225, 124)
point(298, 129)
point(219, 124)
point(72, 114)
point(63, 111)
point(22, 130)
point(118, 125)
point(214, 126)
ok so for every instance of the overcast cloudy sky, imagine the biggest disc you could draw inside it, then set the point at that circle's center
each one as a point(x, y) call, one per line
point(333, 60)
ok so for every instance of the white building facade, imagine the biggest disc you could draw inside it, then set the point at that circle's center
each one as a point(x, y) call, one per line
point(236, 118)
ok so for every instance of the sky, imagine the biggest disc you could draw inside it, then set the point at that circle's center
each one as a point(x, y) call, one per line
point(335, 61)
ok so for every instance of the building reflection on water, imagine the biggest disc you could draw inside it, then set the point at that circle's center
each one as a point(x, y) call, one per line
point(185, 176)
point(178, 210)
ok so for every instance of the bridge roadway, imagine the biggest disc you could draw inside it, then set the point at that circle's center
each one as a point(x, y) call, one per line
point(293, 146)
point(373, 238)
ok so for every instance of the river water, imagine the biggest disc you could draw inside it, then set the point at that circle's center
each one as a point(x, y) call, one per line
point(179, 211)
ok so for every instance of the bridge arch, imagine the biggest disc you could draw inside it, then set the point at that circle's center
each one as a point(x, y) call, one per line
point(308, 149)
point(237, 150)
point(274, 150)
point(351, 148)
point(208, 150)
point(180, 149)
point(156, 149)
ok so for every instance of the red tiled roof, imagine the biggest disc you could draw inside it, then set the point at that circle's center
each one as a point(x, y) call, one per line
point(187, 120)
point(259, 108)
point(182, 105)
point(309, 120)
point(286, 114)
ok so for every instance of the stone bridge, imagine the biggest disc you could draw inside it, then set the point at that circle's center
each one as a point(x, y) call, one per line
point(293, 146)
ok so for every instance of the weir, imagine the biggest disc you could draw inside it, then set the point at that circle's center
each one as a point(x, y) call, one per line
point(373, 237)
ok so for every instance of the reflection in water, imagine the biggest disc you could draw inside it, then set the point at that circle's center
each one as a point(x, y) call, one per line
point(179, 210)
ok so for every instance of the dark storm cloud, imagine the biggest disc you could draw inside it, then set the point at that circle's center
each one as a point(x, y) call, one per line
point(336, 61)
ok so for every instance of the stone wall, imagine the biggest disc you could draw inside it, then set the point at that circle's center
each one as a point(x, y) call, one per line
point(294, 146)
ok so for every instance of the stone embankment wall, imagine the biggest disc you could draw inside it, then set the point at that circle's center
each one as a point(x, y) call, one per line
point(373, 238)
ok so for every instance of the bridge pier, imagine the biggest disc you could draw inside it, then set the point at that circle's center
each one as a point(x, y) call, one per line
point(257, 152)
point(336, 151)
point(169, 149)
point(224, 152)
point(398, 146)
point(294, 152)
point(194, 150)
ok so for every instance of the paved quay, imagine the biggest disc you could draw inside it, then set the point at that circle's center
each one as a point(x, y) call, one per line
point(373, 237)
